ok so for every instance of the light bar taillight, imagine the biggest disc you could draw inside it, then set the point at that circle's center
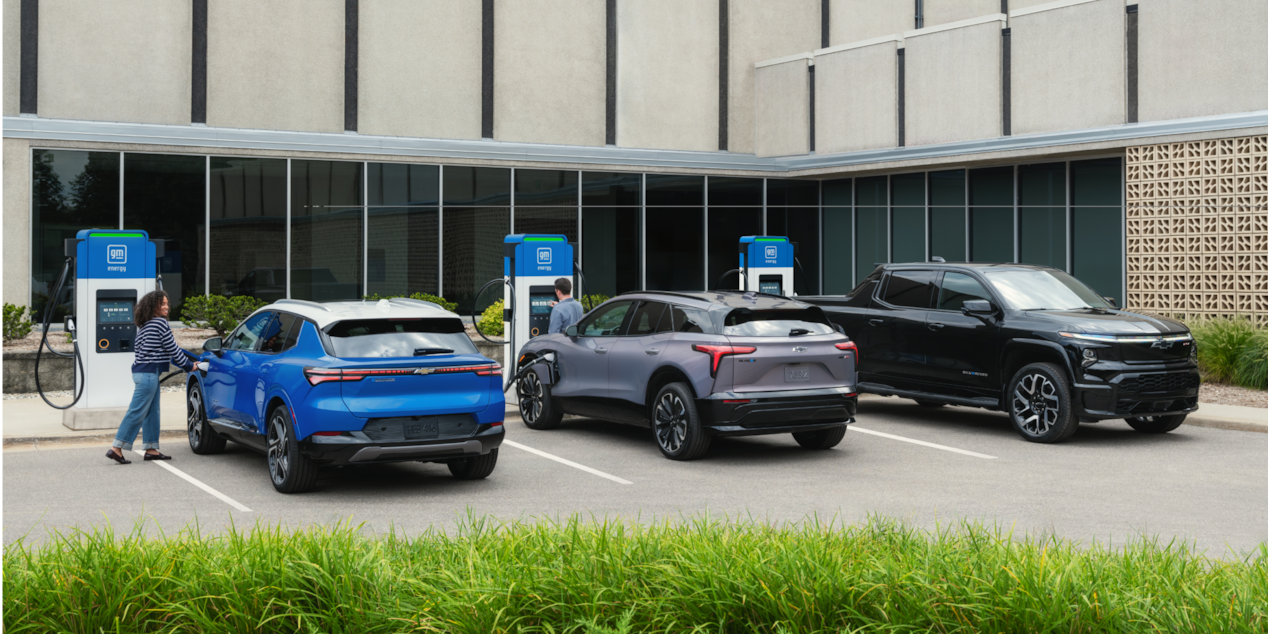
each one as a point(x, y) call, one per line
point(850, 347)
point(317, 376)
point(716, 352)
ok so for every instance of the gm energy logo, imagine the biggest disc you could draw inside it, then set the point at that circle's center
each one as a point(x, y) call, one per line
point(772, 253)
point(543, 255)
point(116, 254)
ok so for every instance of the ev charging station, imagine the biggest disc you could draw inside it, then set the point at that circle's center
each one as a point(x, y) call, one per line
point(766, 265)
point(531, 264)
point(113, 270)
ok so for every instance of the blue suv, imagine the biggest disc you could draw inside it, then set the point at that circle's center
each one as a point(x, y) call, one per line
point(311, 384)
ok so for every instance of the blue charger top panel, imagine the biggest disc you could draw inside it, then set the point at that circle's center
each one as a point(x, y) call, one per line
point(113, 254)
point(538, 255)
point(767, 251)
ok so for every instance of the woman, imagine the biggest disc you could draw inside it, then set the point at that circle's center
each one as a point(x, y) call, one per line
point(155, 348)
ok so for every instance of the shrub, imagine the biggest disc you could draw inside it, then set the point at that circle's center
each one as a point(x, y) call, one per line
point(444, 303)
point(491, 322)
point(16, 323)
point(1252, 364)
point(218, 312)
point(588, 302)
point(1220, 343)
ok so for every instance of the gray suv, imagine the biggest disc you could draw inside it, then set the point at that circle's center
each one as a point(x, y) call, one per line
point(695, 365)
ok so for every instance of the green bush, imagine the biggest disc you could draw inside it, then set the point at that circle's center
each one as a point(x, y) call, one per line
point(1252, 363)
point(491, 322)
point(445, 304)
point(594, 575)
point(219, 312)
point(588, 302)
point(17, 324)
point(1220, 343)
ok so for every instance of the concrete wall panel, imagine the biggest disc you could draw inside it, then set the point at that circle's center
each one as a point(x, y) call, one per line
point(550, 71)
point(12, 55)
point(667, 75)
point(17, 222)
point(760, 30)
point(115, 61)
point(856, 99)
point(275, 65)
point(1202, 58)
point(783, 108)
point(946, 11)
point(954, 87)
point(418, 70)
point(858, 20)
point(1071, 55)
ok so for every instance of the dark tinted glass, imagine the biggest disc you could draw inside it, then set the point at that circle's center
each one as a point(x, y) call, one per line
point(477, 186)
point(646, 318)
point(691, 320)
point(318, 184)
point(801, 226)
point(1041, 185)
point(791, 192)
point(907, 190)
point(991, 186)
point(1097, 182)
point(166, 196)
point(726, 227)
point(611, 188)
point(675, 248)
point(1097, 249)
point(958, 288)
point(546, 220)
point(870, 192)
point(669, 189)
point(947, 224)
point(605, 320)
point(947, 188)
point(992, 237)
point(839, 193)
point(275, 336)
point(473, 253)
point(397, 184)
point(398, 338)
point(546, 188)
point(838, 236)
point(909, 289)
point(70, 191)
point(292, 334)
point(1043, 236)
point(248, 227)
point(611, 249)
point(247, 336)
point(404, 251)
point(735, 192)
point(909, 234)
point(871, 222)
point(326, 243)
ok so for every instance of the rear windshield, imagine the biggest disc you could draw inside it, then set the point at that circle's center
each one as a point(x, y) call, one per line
point(398, 337)
point(776, 323)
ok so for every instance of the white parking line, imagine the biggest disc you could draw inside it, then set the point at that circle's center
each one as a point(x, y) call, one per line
point(190, 479)
point(922, 443)
point(567, 462)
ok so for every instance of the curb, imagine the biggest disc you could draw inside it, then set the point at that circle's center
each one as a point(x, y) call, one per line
point(81, 439)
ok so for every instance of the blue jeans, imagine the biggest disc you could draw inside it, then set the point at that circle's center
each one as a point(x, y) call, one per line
point(143, 413)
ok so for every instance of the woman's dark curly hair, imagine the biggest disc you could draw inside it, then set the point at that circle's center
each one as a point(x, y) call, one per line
point(148, 307)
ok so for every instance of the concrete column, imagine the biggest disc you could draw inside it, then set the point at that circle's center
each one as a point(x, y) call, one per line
point(954, 87)
point(783, 106)
point(856, 96)
point(759, 30)
point(12, 55)
point(17, 222)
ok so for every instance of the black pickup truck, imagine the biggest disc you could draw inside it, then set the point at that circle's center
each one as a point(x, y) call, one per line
point(1031, 341)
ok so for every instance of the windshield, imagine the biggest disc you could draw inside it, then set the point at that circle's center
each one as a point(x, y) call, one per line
point(776, 323)
point(355, 338)
point(1044, 290)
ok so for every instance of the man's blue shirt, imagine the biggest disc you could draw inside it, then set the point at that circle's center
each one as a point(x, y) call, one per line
point(564, 314)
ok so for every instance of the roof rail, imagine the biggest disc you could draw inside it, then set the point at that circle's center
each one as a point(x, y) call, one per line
point(303, 302)
point(410, 301)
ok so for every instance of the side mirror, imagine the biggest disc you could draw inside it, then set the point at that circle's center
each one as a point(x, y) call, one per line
point(213, 345)
point(977, 307)
point(1112, 302)
point(571, 331)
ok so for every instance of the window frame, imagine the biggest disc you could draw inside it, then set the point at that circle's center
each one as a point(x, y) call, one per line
point(994, 298)
point(272, 314)
point(593, 316)
point(881, 294)
point(627, 331)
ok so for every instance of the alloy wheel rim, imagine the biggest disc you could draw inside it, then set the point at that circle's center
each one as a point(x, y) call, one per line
point(671, 422)
point(1036, 404)
point(530, 394)
point(278, 449)
point(195, 417)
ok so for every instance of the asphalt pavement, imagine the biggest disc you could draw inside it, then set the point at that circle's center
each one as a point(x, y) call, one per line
point(928, 466)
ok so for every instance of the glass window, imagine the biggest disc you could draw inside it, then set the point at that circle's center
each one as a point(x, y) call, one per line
point(546, 188)
point(1096, 236)
point(1043, 290)
point(165, 195)
point(907, 193)
point(947, 225)
point(675, 248)
point(1097, 183)
point(360, 338)
point(611, 189)
point(480, 186)
point(248, 227)
point(838, 237)
point(801, 226)
point(909, 289)
point(605, 320)
point(248, 334)
point(673, 190)
point(473, 253)
point(403, 185)
point(958, 288)
point(735, 192)
point(1041, 194)
point(275, 335)
point(326, 230)
point(403, 253)
point(791, 193)
point(991, 215)
point(776, 323)
point(70, 191)
point(871, 224)
point(726, 226)
point(611, 249)
point(546, 220)
point(646, 318)
point(292, 333)
point(691, 320)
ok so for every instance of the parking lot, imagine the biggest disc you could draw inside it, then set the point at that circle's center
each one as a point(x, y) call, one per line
point(930, 467)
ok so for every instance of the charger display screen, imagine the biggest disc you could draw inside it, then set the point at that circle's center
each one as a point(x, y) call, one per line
point(770, 288)
point(114, 312)
point(540, 304)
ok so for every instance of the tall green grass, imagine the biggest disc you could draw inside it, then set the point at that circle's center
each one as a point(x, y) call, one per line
point(611, 576)
point(1232, 351)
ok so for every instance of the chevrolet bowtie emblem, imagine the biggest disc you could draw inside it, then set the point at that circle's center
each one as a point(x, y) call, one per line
point(423, 370)
point(799, 349)
point(1161, 345)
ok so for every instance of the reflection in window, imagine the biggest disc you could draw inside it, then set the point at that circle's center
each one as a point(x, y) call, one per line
point(248, 227)
point(546, 220)
point(490, 186)
point(326, 230)
point(545, 188)
point(403, 254)
point(165, 195)
point(603, 189)
point(473, 253)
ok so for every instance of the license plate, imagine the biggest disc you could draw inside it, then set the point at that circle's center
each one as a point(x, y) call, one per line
point(421, 429)
point(796, 375)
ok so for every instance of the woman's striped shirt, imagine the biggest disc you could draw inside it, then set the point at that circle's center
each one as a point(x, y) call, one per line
point(156, 347)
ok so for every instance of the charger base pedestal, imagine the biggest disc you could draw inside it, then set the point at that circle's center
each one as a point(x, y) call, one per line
point(84, 418)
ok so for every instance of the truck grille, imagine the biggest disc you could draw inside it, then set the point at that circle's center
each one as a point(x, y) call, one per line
point(393, 429)
point(1162, 382)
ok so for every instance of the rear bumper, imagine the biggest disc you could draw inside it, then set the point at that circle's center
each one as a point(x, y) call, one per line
point(1149, 391)
point(755, 413)
point(358, 448)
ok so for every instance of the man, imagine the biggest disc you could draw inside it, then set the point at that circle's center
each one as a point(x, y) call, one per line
point(567, 311)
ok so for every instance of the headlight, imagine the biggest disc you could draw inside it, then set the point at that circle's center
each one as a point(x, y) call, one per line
point(1089, 357)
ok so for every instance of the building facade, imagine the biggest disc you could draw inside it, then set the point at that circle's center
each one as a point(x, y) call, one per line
point(332, 149)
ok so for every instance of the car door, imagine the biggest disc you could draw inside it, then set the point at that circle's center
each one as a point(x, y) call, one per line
point(583, 360)
point(228, 379)
point(963, 350)
point(898, 355)
point(636, 355)
point(275, 340)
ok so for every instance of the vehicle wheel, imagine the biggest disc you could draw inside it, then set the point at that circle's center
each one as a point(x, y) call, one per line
point(202, 440)
point(537, 410)
point(290, 470)
point(929, 404)
point(676, 424)
point(1157, 424)
point(1039, 404)
point(822, 439)
point(474, 468)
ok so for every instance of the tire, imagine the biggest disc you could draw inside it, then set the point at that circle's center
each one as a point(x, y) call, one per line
point(676, 423)
point(1157, 424)
point(202, 440)
point(822, 439)
point(537, 409)
point(475, 468)
point(929, 404)
point(289, 470)
point(1039, 404)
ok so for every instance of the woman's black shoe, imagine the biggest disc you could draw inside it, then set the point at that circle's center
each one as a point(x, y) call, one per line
point(117, 457)
point(157, 456)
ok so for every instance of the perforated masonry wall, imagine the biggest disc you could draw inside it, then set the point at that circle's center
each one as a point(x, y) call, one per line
point(1197, 228)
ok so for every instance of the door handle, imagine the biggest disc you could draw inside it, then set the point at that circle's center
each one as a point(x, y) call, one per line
point(652, 352)
point(875, 322)
point(601, 350)
point(936, 326)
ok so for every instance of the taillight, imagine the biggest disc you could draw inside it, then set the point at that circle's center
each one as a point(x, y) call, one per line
point(849, 345)
point(492, 370)
point(716, 352)
point(317, 376)
point(481, 370)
